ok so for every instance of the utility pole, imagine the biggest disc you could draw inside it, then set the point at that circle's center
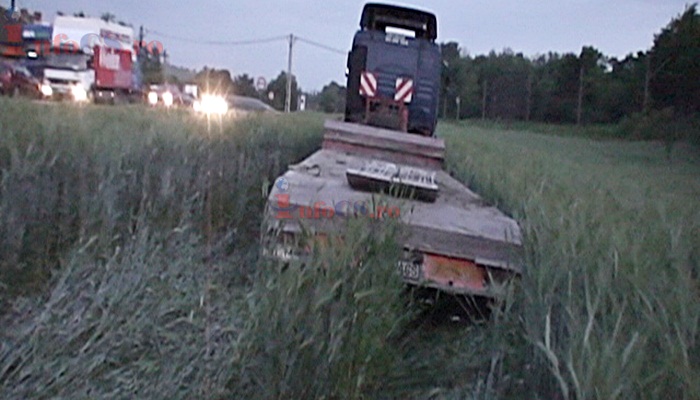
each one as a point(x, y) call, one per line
point(459, 103)
point(579, 105)
point(288, 99)
point(528, 99)
point(140, 54)
point(647, 80)
point(164, 67)
point(648, 76)
point(484, 93)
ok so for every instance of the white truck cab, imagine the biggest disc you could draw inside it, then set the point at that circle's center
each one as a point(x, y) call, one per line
point(69, 75)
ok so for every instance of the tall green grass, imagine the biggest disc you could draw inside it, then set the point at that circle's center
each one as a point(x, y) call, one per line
point(609, 301)
point(129, 268)
point(69, 174)
point(127, 237)
point(326, 327)
point(658, 125)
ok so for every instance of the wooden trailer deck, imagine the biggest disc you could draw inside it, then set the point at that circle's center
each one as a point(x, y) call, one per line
point(464, 245)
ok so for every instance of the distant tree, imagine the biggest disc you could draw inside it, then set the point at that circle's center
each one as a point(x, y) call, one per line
point(465, 87)
point(173, 79)
point(80, 14)
point(591, 67)
point(542, 85)
point(503, 81)
point(626, 90)
point(450, 84)
point(673, 65)
point(332, 98)
point(214, 81)
point(243, 85)
point(566, 74)
point(108, 17)
point(278, 87)
point(151, 67)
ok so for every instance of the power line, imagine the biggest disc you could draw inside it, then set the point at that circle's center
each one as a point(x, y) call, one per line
point(218, 42)
point(246, 42)
point(321, 46)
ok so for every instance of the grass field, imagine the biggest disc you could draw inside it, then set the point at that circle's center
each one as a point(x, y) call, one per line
point(129, 268)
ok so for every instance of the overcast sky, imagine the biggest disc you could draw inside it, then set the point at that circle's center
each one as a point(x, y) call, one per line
point(616, 27)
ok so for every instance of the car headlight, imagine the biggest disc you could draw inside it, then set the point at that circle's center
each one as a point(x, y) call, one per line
point(167, 99)
point(46, 90)
point(211, 104)
point(152, 98)
point(78, 92)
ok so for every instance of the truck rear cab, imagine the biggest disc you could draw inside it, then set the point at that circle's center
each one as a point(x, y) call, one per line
point(393, 74)
point(114, 77)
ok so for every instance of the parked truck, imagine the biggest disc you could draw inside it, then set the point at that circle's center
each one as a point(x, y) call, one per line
point(384, 161)
point(92, 59)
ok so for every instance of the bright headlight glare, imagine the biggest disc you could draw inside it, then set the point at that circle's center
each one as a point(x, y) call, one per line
point(168, 99)
point(152, 98)
point(78, 92)
point(46, 90)
point(212, 104)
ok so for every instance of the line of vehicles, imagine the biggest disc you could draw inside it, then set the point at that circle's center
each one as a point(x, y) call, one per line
point(85, 59)
point(79, 59)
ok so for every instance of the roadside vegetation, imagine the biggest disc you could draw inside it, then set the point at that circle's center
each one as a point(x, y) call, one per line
point(128, 240)
point(129, 267)
point(609, 304)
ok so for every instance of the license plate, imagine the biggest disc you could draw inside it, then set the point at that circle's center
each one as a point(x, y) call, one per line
point(410, 271)
point(393, 173)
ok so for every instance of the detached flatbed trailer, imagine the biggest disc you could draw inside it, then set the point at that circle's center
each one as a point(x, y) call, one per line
point(453, 241)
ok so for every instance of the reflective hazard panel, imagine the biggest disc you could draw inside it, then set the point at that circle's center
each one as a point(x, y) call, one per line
point(404, 90)
point(368, 84)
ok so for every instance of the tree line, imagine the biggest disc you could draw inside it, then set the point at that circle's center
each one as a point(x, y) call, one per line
point(587, 87)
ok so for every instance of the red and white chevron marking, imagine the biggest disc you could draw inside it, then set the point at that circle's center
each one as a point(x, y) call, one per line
point(404, 90)
point(368, 84)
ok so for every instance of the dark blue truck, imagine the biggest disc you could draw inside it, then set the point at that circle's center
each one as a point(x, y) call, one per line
point(393, 70)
